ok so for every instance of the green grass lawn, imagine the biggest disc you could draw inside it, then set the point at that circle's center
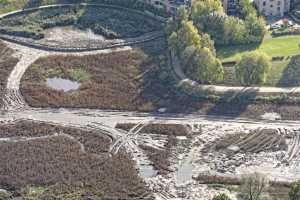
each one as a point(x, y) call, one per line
point(11, 5)
point(273, 79)
point(278, 46)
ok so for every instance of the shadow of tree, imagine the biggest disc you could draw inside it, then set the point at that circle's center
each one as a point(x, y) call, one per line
point(228, 51)
point(233, 104)
point(291, 75)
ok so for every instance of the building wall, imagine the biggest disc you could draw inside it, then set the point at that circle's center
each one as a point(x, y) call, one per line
point(273, 7)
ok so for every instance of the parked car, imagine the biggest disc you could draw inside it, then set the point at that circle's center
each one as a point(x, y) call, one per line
point(275, 26)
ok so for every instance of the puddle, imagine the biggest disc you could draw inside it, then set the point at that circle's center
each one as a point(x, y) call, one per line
point(62, 84)
point(271, 116)
point(184, 173)
point(147, 171)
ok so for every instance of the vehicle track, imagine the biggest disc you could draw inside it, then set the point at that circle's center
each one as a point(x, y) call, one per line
point(13, 99)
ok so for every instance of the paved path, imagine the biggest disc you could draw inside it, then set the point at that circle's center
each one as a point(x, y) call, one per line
point(222, 89)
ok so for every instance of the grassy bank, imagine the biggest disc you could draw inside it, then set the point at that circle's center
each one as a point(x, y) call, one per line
point(277, 46)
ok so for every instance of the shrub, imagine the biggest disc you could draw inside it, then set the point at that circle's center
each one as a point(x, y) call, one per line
point(294, 191)
point(221, 197)
point(254, 186)
point(253, 68)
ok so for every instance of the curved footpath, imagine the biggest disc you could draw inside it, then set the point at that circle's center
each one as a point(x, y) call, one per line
point(87, 47)
point(223, 89)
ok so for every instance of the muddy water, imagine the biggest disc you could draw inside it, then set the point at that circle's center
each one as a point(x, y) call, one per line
point(185, 169)
point(147, 171)
point(185, 172)
point(62, 84)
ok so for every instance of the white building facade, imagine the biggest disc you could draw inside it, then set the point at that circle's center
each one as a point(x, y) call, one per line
point(273, 8)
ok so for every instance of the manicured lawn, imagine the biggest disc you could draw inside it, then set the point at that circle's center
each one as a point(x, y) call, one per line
point(274, 78)
point(276, 72)
point(278, 46)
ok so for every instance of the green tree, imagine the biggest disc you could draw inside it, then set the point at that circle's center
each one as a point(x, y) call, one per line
point(174, 24)
point(235, 31)
point(204, 9)
point(182, 14)
point(204, 67)
point(206, 41)
point(256, 27)
point(173, 42)
point(221, 197)
point(188, 35)
point(294, 191)
point(253, 68)
point(245, 8)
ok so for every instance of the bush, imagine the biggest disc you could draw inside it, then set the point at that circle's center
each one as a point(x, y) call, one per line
point(294, 191)
point(253, 68)
point(221, 197)
point(288, 31)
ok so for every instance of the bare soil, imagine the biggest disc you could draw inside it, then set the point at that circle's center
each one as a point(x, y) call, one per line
point(160, 157)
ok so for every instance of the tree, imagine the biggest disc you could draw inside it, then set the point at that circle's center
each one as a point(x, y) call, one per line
point(174, 24)
point(207, 42)
point(235, 31)
point(204, 67)
point(253, 187)
point(182, 14)
point(204, 9)
point(188, 35)
point(221, 197)
point(253, 68)
point(173, 42)
point(245, 8)
point(294, 191)
point(256, 27)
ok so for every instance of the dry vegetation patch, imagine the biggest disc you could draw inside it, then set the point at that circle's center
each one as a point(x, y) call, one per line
point(94, 142)
point(160, 158)
point(123, 80)
point(64, 169)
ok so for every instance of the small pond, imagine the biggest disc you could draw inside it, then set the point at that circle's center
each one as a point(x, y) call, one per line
point(62, 84)
point(147, 171)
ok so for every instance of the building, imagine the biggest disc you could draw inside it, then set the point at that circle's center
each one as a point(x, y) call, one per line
point(230, 6)
point(273, 8)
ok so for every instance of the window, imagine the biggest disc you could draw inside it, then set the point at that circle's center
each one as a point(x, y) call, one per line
point(278, 8)
point(279, 2)
point(271, 6)
point(264, 3)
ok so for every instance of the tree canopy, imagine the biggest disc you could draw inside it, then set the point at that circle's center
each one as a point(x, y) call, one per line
point(208, 16)
point(195, 49)
point(253, 68)
point(294, 191)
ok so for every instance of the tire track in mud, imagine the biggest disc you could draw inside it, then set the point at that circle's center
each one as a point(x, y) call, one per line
point(13, 99)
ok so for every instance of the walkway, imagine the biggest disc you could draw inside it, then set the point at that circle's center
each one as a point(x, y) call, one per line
point(223, 89)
